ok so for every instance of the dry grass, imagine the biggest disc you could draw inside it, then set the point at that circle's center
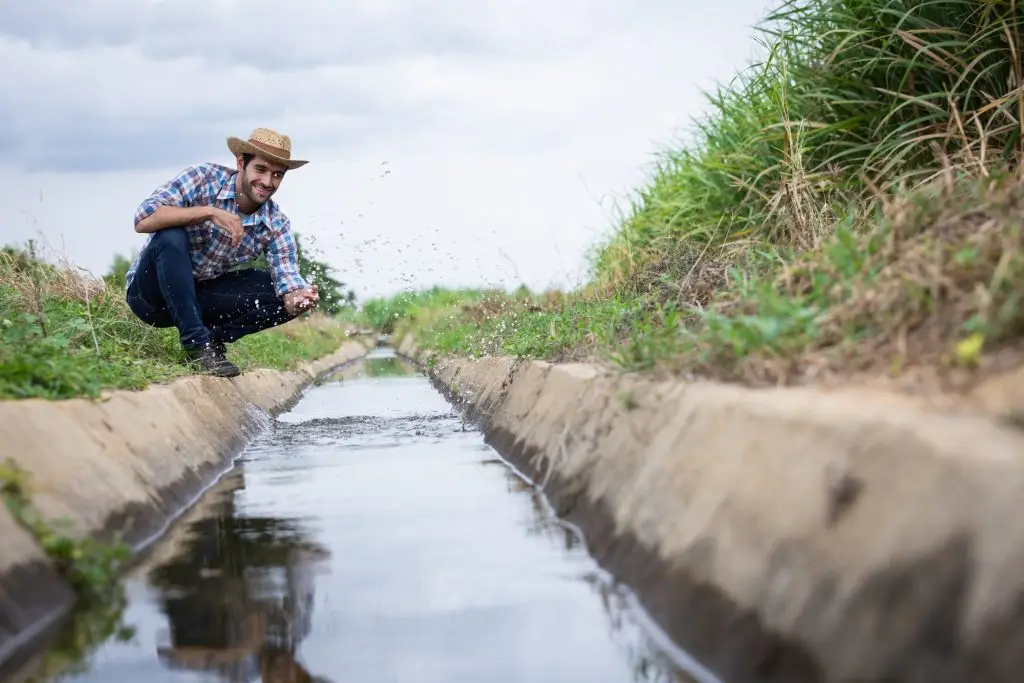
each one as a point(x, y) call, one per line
point(938, 285)
point(29, 279)
point(852, 98)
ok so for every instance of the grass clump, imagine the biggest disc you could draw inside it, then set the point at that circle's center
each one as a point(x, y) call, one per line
point(855, 99)
point(90, 567)
point(64, 333)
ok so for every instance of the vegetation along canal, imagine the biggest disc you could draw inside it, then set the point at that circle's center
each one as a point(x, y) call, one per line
point(370, 535)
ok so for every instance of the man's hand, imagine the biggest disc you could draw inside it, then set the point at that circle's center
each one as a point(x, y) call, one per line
point(230, 223)
point(300, 300)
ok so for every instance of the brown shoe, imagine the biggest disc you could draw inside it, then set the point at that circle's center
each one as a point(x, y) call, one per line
point(212, 361)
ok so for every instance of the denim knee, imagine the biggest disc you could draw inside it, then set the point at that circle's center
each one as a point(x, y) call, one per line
point(170, 238)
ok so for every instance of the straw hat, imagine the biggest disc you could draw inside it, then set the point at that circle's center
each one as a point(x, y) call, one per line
point(266, 143)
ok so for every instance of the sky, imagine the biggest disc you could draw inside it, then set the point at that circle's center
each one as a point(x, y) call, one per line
point(465, 143)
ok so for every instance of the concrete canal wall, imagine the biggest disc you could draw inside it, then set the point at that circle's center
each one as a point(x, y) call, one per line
point(125, 465)
point(778, 535)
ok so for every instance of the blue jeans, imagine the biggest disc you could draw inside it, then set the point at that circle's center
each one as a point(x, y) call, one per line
point(164, 293)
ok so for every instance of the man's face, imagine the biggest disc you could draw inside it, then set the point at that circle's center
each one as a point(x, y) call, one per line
point(261, 178)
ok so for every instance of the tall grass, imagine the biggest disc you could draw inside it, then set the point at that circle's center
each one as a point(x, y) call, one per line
point(851, 204)
point(856, 100)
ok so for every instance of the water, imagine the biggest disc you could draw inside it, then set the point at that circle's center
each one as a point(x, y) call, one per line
point(371, 536)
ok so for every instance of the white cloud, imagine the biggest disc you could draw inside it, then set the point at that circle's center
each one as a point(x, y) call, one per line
point(503, 122)
point(269, 35)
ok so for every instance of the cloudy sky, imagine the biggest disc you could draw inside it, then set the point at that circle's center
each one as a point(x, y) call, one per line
point(470, 142)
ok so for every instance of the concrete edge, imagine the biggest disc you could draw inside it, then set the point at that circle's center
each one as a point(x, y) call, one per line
point(124, 467)
point(782, 535)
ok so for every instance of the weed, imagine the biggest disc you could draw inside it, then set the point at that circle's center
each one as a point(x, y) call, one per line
point(80, 638)
point(91, 569)
point(89, 566)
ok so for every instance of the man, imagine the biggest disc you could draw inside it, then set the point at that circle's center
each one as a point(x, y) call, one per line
point(202, 223)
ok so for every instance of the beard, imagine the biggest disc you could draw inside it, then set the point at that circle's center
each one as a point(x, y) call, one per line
point(258, 193)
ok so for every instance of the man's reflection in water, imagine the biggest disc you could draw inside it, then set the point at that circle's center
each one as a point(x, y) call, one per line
point(239, 598)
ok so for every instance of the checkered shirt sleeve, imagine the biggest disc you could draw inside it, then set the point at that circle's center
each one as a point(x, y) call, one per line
point(283, 258)
point(181, 190)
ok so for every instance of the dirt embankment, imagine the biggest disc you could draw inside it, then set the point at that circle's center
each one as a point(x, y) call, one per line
point(779, 535)
point(125, 466)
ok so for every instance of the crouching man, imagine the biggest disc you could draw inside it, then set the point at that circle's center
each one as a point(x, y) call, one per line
point(205, 221)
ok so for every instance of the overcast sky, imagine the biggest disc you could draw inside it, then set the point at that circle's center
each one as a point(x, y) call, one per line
point(468, 142)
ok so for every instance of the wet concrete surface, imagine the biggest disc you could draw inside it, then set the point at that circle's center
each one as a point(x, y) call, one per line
point(371, 536)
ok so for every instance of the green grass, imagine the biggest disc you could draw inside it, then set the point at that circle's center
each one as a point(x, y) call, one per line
point(854, 99)
point(383, 313)
point(65, 335)
point(938, 280)
point(286, 347)
point(850, 204)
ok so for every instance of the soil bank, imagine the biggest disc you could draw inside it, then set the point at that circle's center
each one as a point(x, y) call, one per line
point(124, 467)
point(778, 535)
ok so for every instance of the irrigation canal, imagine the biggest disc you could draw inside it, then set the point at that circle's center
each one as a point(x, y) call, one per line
point(370, 535)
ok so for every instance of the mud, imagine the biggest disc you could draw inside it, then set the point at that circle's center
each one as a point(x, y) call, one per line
point(778, 535)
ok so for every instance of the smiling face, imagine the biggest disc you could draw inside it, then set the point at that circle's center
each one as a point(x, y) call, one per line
point(258, 179)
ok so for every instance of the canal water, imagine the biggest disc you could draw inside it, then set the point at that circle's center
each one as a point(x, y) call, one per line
point(370, 535)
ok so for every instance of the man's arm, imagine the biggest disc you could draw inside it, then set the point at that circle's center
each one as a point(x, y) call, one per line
point(174, 217)
point(283, 259)
point(173, 203)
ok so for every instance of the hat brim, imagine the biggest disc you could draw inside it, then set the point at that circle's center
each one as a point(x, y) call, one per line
point(239, 146)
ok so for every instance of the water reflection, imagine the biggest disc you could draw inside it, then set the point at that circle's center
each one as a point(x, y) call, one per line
point(381, 363)
point(238, 597)
point(647, 664)
point(386, 367)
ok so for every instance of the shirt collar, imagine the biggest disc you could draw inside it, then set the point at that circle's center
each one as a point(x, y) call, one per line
point(227, 194)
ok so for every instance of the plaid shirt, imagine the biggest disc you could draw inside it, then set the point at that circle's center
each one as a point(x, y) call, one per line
point(266, 231)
